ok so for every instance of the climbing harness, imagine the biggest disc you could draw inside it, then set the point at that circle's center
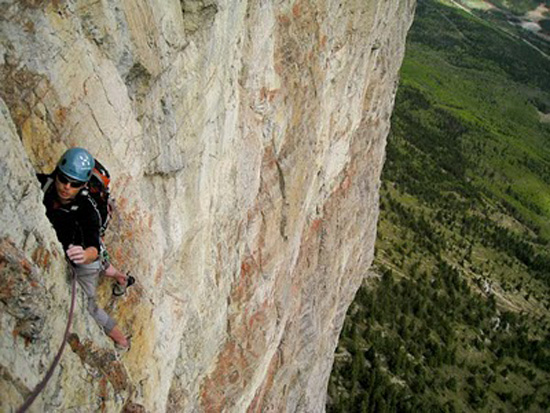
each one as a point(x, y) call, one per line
point(40, 386)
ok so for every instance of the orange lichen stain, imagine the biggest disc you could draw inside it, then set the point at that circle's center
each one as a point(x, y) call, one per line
point(246, 284)
point(346, 183)
point(295, 289)
point(103, 392)
point(269, 160)
point(61, 115)
point(323, 41)
point(45, 262)
point(158, 274)
point(246, 267)
point(239, 357)
point(272, 94)
point(103, 360)
point(228, 378)
point(122, 203)
point(237, 361)
point(279, 68)
point(316, 224)
point(16, 332)
point(41, 257)
point(257, 403)
point(296, 10)
point(268, 94)
point(263, 93)
point(244, 287)
point(25, 265)
point(255, 325)
point(283, 19)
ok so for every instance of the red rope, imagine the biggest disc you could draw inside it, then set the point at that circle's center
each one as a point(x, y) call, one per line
point(40, 386)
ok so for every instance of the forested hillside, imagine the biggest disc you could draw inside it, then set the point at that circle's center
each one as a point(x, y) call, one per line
point(456, 315)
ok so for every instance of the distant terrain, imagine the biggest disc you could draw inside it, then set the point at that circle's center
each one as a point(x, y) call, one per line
point(456, 314)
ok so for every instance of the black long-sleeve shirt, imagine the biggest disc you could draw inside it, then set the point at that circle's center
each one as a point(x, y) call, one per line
point(75, 223)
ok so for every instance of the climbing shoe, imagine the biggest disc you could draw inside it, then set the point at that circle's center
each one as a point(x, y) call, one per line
point(121, 350)
point(119, 290)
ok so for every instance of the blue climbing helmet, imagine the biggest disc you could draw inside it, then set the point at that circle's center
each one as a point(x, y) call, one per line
point(77, 163)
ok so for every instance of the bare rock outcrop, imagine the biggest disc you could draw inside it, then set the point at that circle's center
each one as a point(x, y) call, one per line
point(246, 141)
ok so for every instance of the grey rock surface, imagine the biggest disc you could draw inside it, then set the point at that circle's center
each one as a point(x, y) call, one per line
point(246, 141)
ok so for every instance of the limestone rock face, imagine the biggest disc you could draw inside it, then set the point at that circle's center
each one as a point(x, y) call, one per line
point(246, 141)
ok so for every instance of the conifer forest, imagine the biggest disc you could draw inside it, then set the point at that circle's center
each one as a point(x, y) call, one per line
point(455, 314)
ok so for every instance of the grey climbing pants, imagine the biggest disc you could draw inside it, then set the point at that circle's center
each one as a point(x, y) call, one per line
point(87, 276)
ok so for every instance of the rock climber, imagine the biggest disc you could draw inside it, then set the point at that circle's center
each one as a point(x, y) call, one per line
point(76, 221)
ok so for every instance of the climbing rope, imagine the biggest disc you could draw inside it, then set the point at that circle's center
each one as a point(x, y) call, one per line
point(40, 386)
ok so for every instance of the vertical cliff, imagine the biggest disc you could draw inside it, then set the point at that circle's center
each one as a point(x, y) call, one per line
point(246, 141)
